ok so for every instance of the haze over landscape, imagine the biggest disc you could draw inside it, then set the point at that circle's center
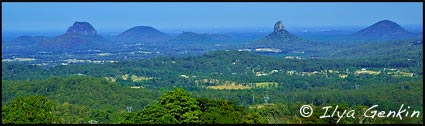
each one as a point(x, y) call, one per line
point(208, 17)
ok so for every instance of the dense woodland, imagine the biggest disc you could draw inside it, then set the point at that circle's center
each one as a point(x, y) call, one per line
point(201, 89)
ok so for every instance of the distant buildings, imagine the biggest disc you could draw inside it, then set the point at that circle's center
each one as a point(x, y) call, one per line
point(18, 59)
point(273, 50)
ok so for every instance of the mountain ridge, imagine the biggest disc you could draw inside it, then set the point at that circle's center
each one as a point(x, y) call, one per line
point(279, 38)
point(143, 34)
point(81, 35)
point(383, 29)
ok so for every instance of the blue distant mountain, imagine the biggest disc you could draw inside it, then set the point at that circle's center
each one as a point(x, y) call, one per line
point(81, 35)
point(279, 38)
point(142, 34)
point(26, 40)
point(195, 37)
point(384, 29)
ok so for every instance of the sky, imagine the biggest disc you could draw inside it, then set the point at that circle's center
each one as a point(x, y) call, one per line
point(119, 16)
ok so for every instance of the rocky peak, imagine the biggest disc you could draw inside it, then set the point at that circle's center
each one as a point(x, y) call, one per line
point(81, 28)
point(280, 35)
point(278, 26)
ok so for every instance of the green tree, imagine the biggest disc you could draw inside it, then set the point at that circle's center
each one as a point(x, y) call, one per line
point(254, 118)
point(175, 107)
point(224, 112)
point(181, 106)
point(29, 110)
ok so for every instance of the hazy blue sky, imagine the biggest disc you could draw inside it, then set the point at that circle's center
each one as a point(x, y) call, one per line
point(116, 16)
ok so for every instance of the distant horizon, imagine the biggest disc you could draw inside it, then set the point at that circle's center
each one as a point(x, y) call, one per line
point(211, 30)
point(172, 16)
point(346, 28)
point(9, 35)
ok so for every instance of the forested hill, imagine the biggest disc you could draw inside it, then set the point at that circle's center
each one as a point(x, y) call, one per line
point(81, 97)
point(219, 63)
point(106, 92)
point(395, 49)
point(86, 100)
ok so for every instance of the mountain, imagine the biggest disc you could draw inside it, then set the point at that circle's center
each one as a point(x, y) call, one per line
point(279, 38)
point(383, 29)
point(81, 35)
point(27, 40)
point(195, 37)
point(81, 29)
point(143, 34)
point(218, 37)
point(190, 36)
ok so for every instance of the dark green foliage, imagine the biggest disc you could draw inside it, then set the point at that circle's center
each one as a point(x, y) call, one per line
point(96, 99)
point(177, 107)
point(224, 112)
point(91, 97)
point(29, 110)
